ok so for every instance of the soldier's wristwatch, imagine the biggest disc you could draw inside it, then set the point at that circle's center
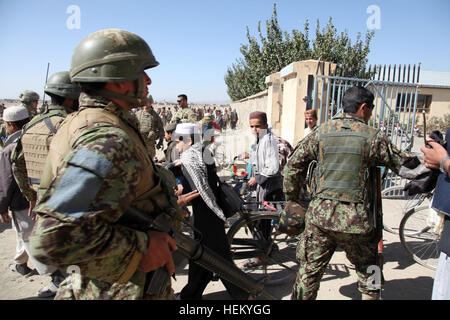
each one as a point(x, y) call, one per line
point(442, 164)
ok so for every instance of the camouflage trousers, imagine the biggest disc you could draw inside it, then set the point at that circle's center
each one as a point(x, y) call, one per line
point(315, 250)
point(76, 287)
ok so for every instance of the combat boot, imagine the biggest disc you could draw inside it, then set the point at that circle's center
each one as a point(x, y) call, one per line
point(371, 296)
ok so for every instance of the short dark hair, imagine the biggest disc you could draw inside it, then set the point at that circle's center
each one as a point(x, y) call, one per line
point(91, 87)
point(312, 113)
point(183, 96)
point(55, 99)
point(21, 123)
point(355, 97)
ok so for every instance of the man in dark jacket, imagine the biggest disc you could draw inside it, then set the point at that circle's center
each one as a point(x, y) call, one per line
point(209, 219)
point(171, 153)
point(15, 118)
point(437, 157)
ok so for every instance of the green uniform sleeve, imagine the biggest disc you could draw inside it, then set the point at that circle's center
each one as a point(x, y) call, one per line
point(385, 153)
point(79, 212)
point(297, 166)
point(19, 169)
point(3, 134)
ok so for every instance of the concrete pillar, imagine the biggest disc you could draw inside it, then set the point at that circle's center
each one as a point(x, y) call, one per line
point(274, 101)
point(295, 92)
point(292, 121)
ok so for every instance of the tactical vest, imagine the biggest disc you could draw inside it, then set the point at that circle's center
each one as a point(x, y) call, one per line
point(151, 190)
point(35, 142)
point(145, 121)
point(342, 169)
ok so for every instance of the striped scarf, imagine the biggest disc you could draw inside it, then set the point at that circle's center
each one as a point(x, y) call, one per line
point(192, 161)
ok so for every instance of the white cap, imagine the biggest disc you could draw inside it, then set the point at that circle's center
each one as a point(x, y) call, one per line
point(15, 113)
point(186, 129)
point(207, 114)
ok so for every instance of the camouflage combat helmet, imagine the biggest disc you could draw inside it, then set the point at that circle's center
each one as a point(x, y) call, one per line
point(111, 55)
point(61, 85)
point(150, 99)
point(28, 96)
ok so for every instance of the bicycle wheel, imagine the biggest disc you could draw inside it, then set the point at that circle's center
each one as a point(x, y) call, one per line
point(277, 251)
point(397, 203)
point(419, 237)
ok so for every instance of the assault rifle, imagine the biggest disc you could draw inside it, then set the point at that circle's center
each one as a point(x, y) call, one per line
point(193, 250)
point(377, 212)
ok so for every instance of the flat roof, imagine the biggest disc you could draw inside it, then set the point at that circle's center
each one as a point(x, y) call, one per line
point(430, 78)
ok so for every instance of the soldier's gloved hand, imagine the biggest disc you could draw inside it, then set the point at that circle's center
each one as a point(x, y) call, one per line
point(158, 253)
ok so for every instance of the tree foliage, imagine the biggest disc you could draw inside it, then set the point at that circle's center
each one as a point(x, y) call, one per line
point(276, 49)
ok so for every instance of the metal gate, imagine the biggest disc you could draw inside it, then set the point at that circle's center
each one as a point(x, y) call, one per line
point(394, 112)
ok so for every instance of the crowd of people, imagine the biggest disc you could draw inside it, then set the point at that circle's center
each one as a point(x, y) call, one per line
point(224, 117)
point(70, 174)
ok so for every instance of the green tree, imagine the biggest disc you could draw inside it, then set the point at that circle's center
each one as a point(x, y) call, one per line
point(277, 49)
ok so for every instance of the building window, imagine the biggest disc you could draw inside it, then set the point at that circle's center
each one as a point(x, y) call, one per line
point(406, 101)
point(423, 103)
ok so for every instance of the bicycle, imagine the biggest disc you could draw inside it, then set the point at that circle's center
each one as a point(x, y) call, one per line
point(250, 238)
point(396, 200)
point(420, 233)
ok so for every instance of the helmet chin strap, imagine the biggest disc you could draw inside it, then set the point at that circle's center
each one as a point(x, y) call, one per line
point(136, 99)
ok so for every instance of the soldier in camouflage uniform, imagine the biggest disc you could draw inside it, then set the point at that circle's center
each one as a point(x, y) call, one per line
point(3, 133)
point(31, 150)
point(97, 167)
point(151, 127)
point(30, 101)
point(339, 214)
point(186, 114)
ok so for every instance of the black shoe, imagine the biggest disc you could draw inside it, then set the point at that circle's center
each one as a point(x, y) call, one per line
point(21, 269)
point(49, 291)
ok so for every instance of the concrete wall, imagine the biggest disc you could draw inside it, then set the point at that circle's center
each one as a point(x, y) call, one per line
point(440, 101)
point(285, 99)
point(244, 107)
point(294, 78)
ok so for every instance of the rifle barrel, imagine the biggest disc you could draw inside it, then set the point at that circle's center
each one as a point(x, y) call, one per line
point(46, 78)
point(197, 252)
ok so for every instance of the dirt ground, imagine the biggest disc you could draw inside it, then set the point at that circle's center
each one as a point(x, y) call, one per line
point(405, 279)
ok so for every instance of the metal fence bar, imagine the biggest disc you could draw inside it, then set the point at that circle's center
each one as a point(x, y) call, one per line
point(328, 96)
point(321, 95)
